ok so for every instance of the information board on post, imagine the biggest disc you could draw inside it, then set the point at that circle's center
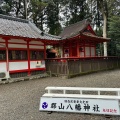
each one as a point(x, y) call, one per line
point(76, 105)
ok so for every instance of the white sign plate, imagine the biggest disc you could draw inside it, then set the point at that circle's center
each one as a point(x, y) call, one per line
point(95, 106)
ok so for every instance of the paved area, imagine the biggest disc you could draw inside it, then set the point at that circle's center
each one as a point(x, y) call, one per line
point(20, 100)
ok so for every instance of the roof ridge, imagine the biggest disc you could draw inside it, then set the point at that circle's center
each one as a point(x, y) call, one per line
point(34, 27)
point(54, 36)
point(84, 20)
point(13, 18)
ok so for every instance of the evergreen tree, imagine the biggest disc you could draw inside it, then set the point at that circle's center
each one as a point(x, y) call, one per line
point(79, 10)
point(5, 6)
point(52, 13)
point(37, 12)
point(106, 8)
point(14, 8)
point(75, 10)
point(114, 34)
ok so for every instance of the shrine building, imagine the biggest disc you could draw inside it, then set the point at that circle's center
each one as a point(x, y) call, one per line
point(23, 46)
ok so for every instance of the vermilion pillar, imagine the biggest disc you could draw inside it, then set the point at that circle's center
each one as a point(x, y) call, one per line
point(78, 51)
point(44, 51)
point(70, 49)
point(28, 51)
point(7, 58)
point(95, 49)
point(84, 50)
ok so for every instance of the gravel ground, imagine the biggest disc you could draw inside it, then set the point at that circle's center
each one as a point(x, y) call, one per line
point(20, 100)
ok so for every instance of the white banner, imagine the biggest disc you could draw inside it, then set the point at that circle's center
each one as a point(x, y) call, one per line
point(95, 106)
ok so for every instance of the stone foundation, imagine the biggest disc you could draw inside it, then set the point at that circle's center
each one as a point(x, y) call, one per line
point(18, 79)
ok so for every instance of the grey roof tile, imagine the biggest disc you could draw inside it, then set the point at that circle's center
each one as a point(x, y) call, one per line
point(23, 28)
point(74, 29)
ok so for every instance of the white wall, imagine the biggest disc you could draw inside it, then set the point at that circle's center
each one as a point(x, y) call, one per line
point(24, 45)
point(33, 64)
point(16, 46)
point(21, 65)
point(1, 40)
point(81, 54)
point(17, 41)
point(36, 42)
point(87, 51)
point(36, 47)
point(2, 45)
point(3, 66)
point(92, 51)
point(24, 65)
point(18, 65)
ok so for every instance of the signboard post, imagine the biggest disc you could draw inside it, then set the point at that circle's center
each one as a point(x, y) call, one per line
point(80, 105)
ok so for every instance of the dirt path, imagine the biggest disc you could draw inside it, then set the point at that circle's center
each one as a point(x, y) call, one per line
point(20, 101)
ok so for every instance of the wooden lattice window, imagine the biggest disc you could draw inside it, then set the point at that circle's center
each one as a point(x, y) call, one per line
point(17, 54)
point(36, 55)
point(2, 54)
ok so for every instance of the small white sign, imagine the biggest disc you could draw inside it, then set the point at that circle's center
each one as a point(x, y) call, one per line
point(95, 106)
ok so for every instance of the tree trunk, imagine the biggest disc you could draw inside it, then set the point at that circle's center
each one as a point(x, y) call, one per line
point(102, 4)
point(105, 33)
point(25, 9)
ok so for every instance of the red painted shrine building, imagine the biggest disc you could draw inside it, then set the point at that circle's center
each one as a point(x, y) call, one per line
point(79, 40)
point(23, 45)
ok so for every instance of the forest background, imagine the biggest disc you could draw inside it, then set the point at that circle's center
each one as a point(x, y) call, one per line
point(52, 16)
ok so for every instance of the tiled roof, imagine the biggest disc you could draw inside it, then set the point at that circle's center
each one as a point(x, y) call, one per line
point(74, 29)
point(90, 35)
point(22, 28)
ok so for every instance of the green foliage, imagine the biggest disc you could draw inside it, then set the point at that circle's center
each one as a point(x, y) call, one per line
point(113, 7)
point(5, 7)
point(114, 34)
point(99, 47)
point(52, 12)
point(108, 9)
point(75, 10)
point(37, 10)
point(112, 49)
point(114, 28)
point(48, 12)
point(79, 10)
point(13, 7)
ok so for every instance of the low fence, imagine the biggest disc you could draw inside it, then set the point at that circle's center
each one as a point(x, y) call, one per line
point(71, 67)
